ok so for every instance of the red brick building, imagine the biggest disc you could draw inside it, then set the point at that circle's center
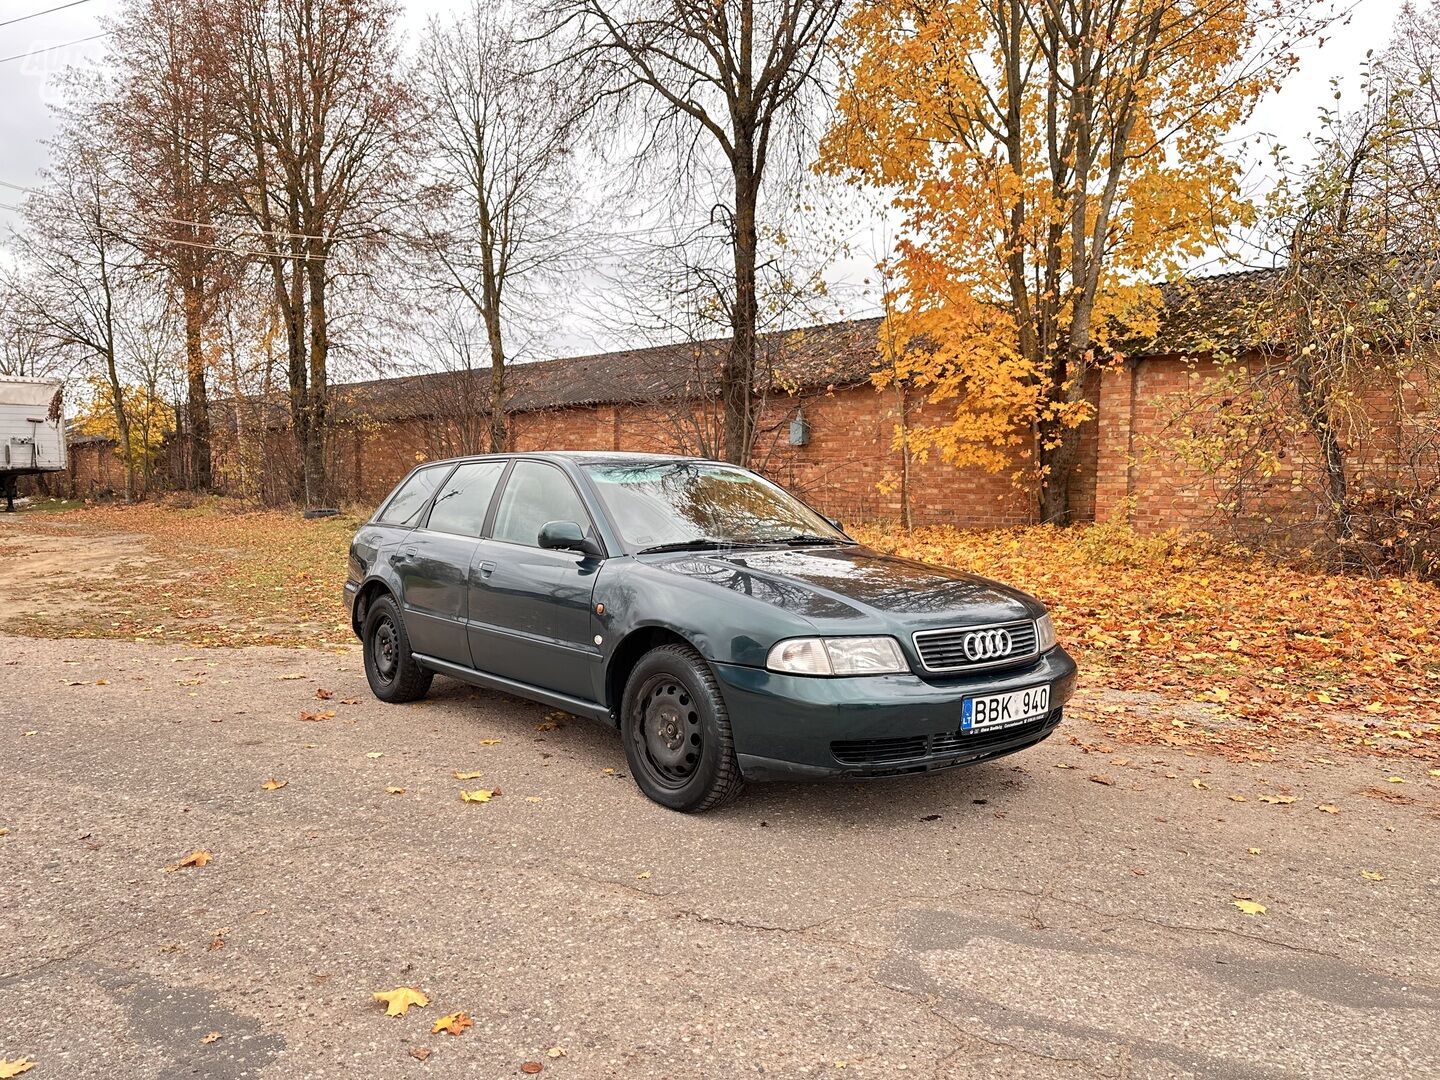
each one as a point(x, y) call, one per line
point(825, 430)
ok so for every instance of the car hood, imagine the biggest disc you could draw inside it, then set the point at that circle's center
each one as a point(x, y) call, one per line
point(854, 584)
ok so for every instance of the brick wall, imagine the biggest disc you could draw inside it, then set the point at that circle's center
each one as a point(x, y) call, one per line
point(851, 468)
point(1153, 407)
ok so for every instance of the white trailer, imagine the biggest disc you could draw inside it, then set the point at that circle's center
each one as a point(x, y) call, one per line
point(32, 431)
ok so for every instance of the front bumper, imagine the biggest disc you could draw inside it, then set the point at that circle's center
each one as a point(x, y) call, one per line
point(793, 727)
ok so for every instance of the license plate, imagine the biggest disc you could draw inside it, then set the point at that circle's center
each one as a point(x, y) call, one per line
point(1002, 710)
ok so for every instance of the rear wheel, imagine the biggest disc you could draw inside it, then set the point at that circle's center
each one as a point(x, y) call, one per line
point(677, 732)
point(390, 667)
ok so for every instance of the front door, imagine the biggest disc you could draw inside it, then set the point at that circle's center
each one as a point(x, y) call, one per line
point(529, 614)
point(434, 561)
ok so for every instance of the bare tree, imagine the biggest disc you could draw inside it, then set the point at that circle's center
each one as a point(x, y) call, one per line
point(165, 115)
point(735, 78)
point(73, 296)
point(318, 118)
point(500, 132)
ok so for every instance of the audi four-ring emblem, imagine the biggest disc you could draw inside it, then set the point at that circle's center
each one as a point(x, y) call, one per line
point(986, 644)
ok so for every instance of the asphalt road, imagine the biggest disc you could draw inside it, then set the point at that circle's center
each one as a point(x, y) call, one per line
point(1015, 919)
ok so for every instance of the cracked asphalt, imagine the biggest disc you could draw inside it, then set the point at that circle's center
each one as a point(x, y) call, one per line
point(1014, 919)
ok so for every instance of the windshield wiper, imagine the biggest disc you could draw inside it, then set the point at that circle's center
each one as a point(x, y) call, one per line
point(700, 543)
point(807, 538)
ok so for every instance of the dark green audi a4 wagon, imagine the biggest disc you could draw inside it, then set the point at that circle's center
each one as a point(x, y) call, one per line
point(729, 631)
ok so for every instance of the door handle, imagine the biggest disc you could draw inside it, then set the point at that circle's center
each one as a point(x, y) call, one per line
point(403, 556)
point(485, 568)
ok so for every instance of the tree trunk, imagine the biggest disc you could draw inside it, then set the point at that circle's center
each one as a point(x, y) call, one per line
point(498, 432)
point(1315, 404)
point(197, 402)
point(316, 486)
point(291, 301)
point(122, 425)
point(737, 373)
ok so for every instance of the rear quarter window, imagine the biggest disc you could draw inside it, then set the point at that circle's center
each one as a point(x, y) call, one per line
point(407, 506)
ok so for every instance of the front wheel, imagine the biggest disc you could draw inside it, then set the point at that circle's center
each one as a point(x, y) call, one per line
point(677, 732)
point(390, 667)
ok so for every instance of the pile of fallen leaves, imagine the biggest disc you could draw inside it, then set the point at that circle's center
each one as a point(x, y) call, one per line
point(221, 574)
point(1273, 651)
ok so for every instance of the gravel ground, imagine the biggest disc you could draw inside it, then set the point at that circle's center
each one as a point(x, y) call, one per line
point(1014, 919)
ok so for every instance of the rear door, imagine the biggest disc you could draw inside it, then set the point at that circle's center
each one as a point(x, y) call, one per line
point(530, 608)
point(434, 562)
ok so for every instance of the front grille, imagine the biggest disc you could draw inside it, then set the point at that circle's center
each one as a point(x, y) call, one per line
point(938, 745)
point(945, 650)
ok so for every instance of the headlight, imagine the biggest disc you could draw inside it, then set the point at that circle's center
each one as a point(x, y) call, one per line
point(837, 656)
point(1044, 634)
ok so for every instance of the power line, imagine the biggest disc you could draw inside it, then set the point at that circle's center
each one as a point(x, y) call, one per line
point(53, 48)
point(47, 11)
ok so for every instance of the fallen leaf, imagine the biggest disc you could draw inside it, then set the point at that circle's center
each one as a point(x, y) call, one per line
point(296, 675)
point(1236, 798)
point(10, 1068)
point(644, 875)
point(394, 791)
point(1199, 785)
point(489, 742)
point(530, 1068)
point(555, 1052)
point(1327, 808)
point(1372, 875)
point(478, 795)
point(1252, 851)
point(198, 857)
point(323, 694)
point(328, 714)
point(1250, 907)
point(1096, 778)
point(420, 1053)
point(1395, 780)
point(1432, 772)
point(455, 1024)
point(214, 1036)
point(1281, 800)
point(373, 754)
point(274, 785)
point(27, 734)
point(468, 775)
point(400, 999)
point(1063, 765)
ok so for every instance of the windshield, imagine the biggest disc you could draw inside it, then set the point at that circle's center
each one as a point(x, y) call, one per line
point(673, 504)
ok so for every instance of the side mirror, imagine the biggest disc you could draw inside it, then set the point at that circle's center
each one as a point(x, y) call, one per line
point(567, 536)
point(835, 522)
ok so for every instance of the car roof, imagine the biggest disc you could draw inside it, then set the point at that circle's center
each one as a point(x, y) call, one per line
point(583, 457)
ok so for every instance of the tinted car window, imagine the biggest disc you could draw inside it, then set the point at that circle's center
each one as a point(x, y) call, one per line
point(534, 494)
point(462, 501)
point(408, 505)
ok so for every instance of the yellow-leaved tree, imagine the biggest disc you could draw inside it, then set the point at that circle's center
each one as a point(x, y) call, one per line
point(1051, 159)
point(150, 420)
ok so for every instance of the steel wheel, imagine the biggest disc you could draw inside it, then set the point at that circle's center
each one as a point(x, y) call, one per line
point(390, 668)
point(385, 648)
point(669, 735)
point(677, 733)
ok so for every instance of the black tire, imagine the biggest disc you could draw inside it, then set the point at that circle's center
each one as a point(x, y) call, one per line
point(677, 733)
point(390, 667)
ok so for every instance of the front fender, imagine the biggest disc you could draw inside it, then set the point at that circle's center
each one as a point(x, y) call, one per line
point(724, 626)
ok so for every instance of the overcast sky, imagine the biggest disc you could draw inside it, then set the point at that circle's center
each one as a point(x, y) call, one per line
point(26, 88)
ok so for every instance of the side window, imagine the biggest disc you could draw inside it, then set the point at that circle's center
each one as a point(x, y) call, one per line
point(408, 504)
point(462, 500)
point(534, 494)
